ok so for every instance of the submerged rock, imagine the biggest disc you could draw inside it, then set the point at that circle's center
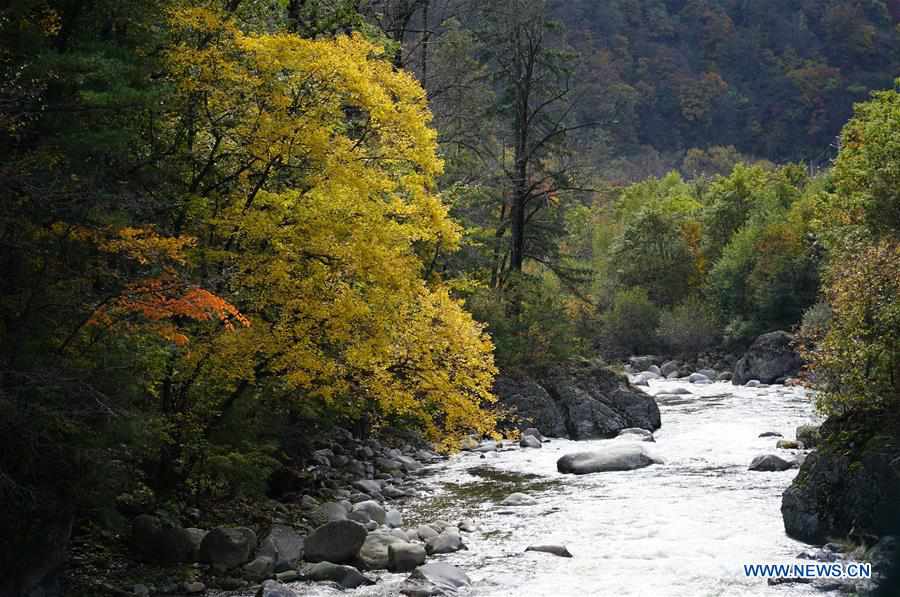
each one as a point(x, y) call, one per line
point(636, 434)
point(433, 579)
point(529, 441)
point(557, 550)
point(770, 462)
point(404, 557)
point(448, 541)
point(617, 457)
point(374, 551)
point(346, 576)
point(518, 499)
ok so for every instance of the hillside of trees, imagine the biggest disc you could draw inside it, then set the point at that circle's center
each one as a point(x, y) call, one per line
point(227, 220)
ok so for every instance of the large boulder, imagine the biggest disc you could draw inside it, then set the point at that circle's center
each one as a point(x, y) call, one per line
point(599, 403)
point(436, 578)
point(850, 482)
point(808, 435)
point(531, 403)
point(284, 545)
point(373, 555)
point(271, 588)
point(227, 547)
point(642, 363)
point(404, 557)
point(769, 463)
point(616, 457)
point(346, 576)
point(373, 509)
point(155, 540)
point(448, 541)
point(769, 358)
point(338, 542)
point(580, 399)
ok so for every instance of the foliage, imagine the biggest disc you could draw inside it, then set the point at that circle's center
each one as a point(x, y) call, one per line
point(629, 326)
point(856, 361)
point(689, 327)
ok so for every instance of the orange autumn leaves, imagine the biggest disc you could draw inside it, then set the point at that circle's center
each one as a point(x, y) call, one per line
point(160, 302)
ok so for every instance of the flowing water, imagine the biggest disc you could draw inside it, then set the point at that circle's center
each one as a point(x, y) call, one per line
point(683, 528)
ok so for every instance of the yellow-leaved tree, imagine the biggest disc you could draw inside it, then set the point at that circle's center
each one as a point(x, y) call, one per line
point(308, 177)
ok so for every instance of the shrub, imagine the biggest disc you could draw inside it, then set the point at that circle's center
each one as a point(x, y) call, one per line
point(629, 326)
point(689, 327)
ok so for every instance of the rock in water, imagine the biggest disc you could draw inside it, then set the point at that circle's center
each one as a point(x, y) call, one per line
point(404, 557)
point(346, 576)
point(617, 457)
point(557, 550)
point(436, 578)
point(770, 357)
point(338, 542)
point(373, 509)
point(518, 499)
point(808, 435)
point(581, 399)
point(636, 434)
point(770, 462)
point(448, 541)
point(226, 548)
point(374, 551)
point(788, 444)
point(529, 441)
point(770, 434)
point(851, 483)
point(270, 588)
point(284, 545)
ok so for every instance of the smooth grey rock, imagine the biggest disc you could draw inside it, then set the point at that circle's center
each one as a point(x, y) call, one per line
point(393, 519)
point(227, 547)
point(346, 576)
point(668, 368)
point(284, 545)
point(770, 462)
point(530, 441)
point(616, 457)
point(635, 434)
point(405, 557)
point(328, 512)
point(448, 541)
point(436, 578)
point(518, 499)
point(642, 363)
point(770, 434)
point(368, 486)
point(770, 357)
point(724, 376)
point(259, 568)
point(338, 542)
point(467, 525)
point(557, 550)
point(426, 532)
point(374, 552)
point(271, 588)
point(373, 509)
point(698, 378)
point(788, 444)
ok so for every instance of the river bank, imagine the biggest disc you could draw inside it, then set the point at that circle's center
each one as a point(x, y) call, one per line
point(684, 527)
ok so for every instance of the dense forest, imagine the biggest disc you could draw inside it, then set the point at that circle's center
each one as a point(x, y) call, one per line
point(227, 221)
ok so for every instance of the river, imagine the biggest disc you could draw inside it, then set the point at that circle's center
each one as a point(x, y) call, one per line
point(683, 528)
